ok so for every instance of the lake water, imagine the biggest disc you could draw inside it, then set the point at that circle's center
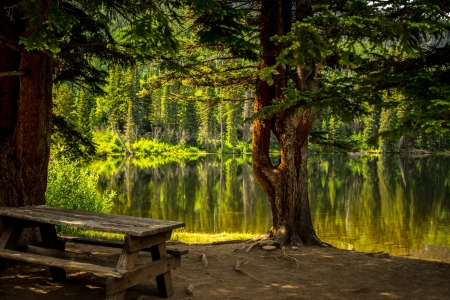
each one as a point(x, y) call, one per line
point(400, 205)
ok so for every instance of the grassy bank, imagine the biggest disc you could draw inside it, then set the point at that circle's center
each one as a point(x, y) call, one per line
point(179, 235)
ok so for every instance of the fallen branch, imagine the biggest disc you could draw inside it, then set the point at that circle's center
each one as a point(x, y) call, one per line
point(238, 267)
point(12, 74)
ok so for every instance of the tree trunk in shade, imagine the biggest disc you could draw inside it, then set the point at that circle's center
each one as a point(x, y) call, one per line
point(285, 183)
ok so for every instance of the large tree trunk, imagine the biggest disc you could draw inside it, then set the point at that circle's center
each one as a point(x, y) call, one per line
point(25, 121)
point(286, 184)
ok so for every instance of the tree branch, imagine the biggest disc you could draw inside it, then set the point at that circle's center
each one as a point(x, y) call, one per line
point(12, 74)
point(82, 45)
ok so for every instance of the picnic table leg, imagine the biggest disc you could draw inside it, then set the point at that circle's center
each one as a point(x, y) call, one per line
point(50, 240)
point(163, 281)
point(8, 239)
point(127, 261)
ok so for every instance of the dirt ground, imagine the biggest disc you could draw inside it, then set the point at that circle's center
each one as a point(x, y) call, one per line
point(321, 273)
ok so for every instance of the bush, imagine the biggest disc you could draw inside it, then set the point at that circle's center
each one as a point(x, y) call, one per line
point(71, 186)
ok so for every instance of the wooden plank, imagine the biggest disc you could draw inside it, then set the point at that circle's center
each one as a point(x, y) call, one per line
point(102, 217)
point(127, 260)
point(91, 220)
point(115, 244)
point(117, 219)
point(134, 243)
point(65, 254)
point(8, 239)
point(18, 222)
point(50, 240)
point(150, 270)
point(62, 263)
point(164, 280)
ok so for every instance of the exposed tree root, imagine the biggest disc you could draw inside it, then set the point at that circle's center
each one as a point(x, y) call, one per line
point(295, 261)
point(267, 242)
point(252, 245)
point(242, 248)
point(261, 237)
point(238, 268)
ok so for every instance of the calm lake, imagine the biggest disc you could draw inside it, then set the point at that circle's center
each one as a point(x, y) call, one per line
point(400, 205)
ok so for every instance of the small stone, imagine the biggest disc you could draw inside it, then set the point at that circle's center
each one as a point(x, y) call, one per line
point(269, 248)
point(294, 248)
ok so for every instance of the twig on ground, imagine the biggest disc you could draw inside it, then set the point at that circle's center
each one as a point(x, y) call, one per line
point(204, 260)
point(190, 288)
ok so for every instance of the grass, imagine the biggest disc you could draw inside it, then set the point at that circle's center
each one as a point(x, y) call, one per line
point(206, 238)
point(178, 235)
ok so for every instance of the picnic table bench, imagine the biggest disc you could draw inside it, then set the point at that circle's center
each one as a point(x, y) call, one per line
point(140, 234)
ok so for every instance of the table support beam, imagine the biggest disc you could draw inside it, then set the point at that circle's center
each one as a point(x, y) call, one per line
point(163, 281)
point(8, 239)
point(50, 241)
point(127, 260)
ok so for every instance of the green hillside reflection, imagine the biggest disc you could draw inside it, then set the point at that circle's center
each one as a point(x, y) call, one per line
point(370, 203)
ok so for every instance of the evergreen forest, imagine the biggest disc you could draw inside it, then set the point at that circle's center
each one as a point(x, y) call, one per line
point(196, 93)
point(139, 114)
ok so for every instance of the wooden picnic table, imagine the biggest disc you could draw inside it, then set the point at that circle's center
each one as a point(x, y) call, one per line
point(140, 233)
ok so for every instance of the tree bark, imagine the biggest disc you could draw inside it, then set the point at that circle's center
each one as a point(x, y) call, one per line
point(25, 121)
point(286, 184)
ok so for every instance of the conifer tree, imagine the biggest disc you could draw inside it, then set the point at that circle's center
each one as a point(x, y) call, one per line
point(346, 56)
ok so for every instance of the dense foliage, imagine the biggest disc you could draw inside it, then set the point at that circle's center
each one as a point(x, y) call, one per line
point(382, 72)
point(74, 187)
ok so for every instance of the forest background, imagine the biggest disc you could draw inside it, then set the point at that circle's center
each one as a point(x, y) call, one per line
point(201, 100)
point(144, 111)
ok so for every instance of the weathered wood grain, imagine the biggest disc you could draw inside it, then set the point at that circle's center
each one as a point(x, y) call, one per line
point(150, 270)
point(127, 260)
point(8, 239)
point(69, 255)
point(91, 220)
point(163, 280)
point(50, 240)
point(133, 243)
point(115, 244)
point(62, 263)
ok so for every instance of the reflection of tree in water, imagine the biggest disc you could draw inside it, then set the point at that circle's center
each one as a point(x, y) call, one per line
point(367, 202)
point(210, 194)
point(373, 204)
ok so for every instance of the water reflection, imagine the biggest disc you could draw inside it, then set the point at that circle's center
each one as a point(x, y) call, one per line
point(370, 203)
point(210, 194)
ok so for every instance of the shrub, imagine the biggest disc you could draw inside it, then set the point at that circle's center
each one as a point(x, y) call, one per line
point(72, 186)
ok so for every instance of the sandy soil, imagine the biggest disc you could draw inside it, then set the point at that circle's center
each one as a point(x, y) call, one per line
point(321, 273)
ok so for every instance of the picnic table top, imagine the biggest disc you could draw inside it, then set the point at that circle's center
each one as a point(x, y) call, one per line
point(91, 220)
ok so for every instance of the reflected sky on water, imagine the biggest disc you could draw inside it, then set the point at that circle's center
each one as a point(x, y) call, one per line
point(370, 203)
